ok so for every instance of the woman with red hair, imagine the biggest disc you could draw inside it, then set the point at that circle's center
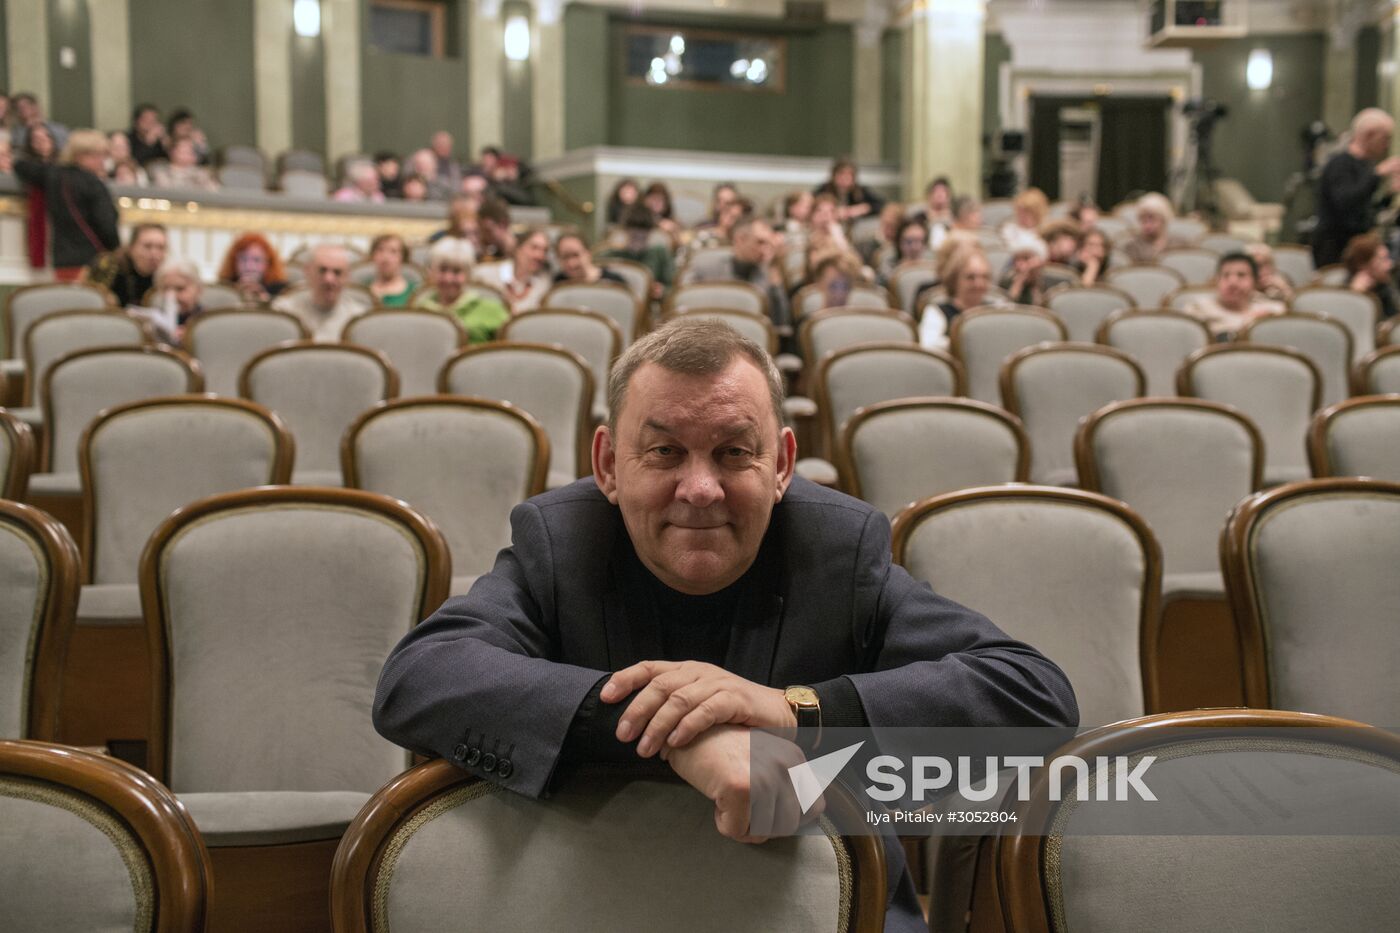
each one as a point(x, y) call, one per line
point(252, 266)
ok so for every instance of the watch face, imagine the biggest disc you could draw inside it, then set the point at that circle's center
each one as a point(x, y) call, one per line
point(802, 696)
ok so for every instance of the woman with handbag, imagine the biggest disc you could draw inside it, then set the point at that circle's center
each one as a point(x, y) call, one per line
point(82, 217)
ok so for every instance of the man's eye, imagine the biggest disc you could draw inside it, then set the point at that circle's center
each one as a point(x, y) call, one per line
point(738, 453)
point(664, 450)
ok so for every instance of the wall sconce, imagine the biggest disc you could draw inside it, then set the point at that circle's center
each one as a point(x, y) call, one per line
point(517, 39)
point(1259, 73)
point(306, 18)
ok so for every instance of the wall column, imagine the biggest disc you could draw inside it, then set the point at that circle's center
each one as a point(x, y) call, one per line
point(944, 129)
point(866, 106)
point(547, 86)
point(340, 30)
point(27, 31)
point(272, 74)
point(111, 62)
point(486, 57)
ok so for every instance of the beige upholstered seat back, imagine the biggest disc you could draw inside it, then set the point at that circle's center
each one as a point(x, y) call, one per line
point(464, 463)
point(1083, 308)
point(225, 341)
point(1084, 606)
point(1158, 341)
point(739, 296)
point(901, 452)
point(1183, 298)
point(1195, 265)
point(1296, 262)
point(55, 336)
point(482, 845)
point(145, 461)
point(863, 375)
point(1181, 464)
point(16, 456)
point(70, 864)
point(1147, 284)
point(1357, 310)
point(1361, 438)
point(551, 384)
point(1052, 387)
point(908, 278)
point(27, 305)
point(637, 276)
point(809, 300)
point(593, 336)
point(984, 338)
point(415, 342)
point(38, 594)
point(1325, 341)
point(318, 390)
point(216, 296)
point(1275, 388)
point(1379, 373)
point(607, 298)
point(834, 331)
point(271, 685)
point(1100, 883)
point(1316, 568)
point(752, 326)
point(80, 386)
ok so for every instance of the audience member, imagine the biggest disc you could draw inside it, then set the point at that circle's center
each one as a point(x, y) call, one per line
point(753, 259)
point(7, 156)
point(1236, 302)
point(835, 277)
point(183, 170)
point(1025, 279)
point(390, 288)
point(1151, 239)
point(525, 277)
point(658, 198)
point(447, 170)
point(130, 272)
point(361, 185)
point(967, 214)
point(495, 239)
point(966, 275)
point(853, 200)
point(1085, 213)
point(475, 187)
point(910, 245)
point(721, 231)
point(871, 250)
point(576, 262)
point(797, 212)
point(325, 306)
point(1371, 270)
point(425, 165)
point(36, 145)
point(1272, 283)
point(386, 164)
point(252, 265)
point(449, 269)
point(414, 188)
point(721, 195)
point(146, 135)
point(1350, 181)
point(825, 235)
point(29, 113)
point(181, 125)
point(938, 204)
point(462, 222)
point(1062, 238)
point(637, 225)
point(1093, 256)
point(177, 298)
point(1029, 208)
point(624, 194)
point(76, 201)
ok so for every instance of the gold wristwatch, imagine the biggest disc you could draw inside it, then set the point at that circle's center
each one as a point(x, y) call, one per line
point(807, 709)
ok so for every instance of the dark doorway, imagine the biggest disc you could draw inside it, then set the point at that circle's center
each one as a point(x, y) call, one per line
point(1128, 142)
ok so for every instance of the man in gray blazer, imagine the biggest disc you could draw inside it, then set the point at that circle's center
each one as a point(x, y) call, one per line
point(691, 591)
point(753, 258)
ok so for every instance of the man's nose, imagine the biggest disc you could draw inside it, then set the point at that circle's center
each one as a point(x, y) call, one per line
point(699, 484)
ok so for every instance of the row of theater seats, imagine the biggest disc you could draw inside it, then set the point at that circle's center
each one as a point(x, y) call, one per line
point(268, 611)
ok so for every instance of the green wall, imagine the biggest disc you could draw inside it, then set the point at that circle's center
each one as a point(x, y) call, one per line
point(197, 54)
point(893, 54)
point(516, 89)
point(585, 76)
point(995, 53)
point(309, 94)
point(811, 117)
point(70, 89)
point(1368, 75)
point(1258, 142)
point(4, 50)
point(391, 83)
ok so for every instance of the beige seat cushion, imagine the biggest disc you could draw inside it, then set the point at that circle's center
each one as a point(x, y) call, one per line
point(268, 818)
point(817, 470)
point(110, 604)
point(55, 484)
point(1208, 584)
point(316, 478)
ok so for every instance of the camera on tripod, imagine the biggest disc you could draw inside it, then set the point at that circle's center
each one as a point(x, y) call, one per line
point(1204, 113)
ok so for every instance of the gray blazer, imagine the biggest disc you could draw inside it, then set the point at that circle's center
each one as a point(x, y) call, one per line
point(494, 678)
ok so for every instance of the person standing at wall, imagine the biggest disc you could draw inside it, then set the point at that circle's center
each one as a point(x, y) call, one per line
point(79, 207)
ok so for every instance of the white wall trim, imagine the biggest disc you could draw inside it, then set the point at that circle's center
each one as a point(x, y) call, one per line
point(685, 165)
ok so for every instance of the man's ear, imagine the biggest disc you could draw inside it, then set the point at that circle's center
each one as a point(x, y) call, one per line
point(786, 463)
point(605, 462)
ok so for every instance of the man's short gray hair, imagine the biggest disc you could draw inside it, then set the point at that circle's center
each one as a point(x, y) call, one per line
point(453, 253)
point(692, 347)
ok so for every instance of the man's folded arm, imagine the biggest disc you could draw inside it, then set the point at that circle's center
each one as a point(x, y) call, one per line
point(474, 683)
